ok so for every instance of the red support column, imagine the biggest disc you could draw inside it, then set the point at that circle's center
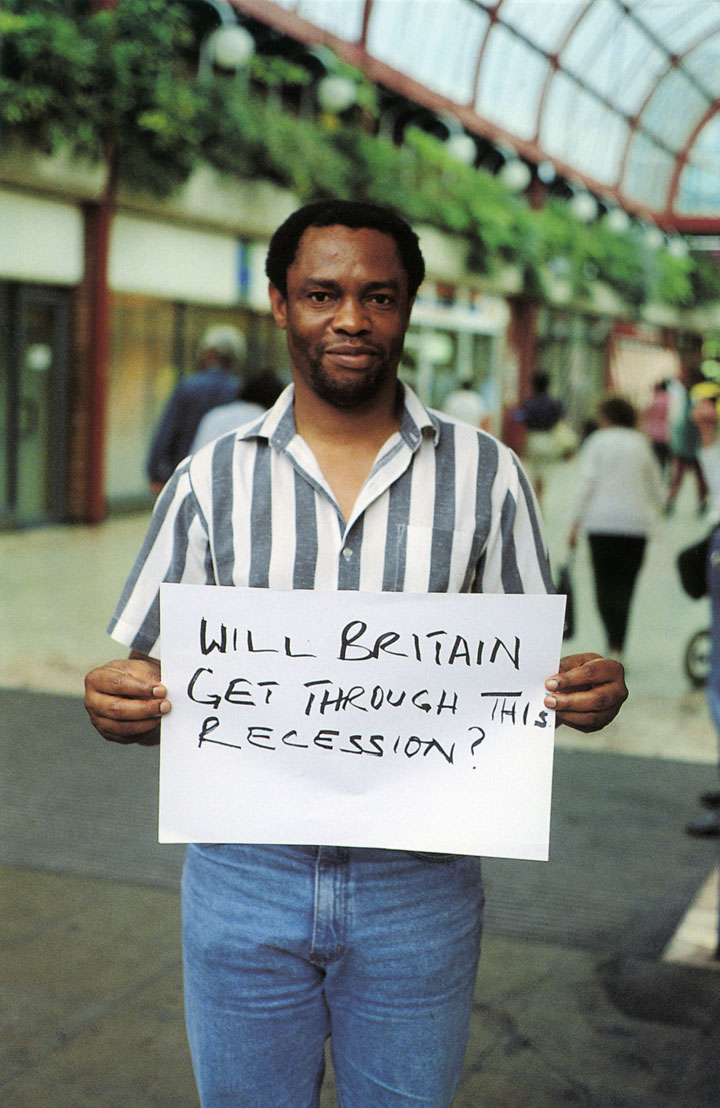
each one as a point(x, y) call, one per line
point(98, 221)
point(522, 339)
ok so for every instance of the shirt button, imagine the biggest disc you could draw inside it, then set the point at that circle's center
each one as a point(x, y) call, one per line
point(347, 553)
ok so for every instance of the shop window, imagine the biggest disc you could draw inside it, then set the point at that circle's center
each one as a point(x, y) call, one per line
point(142, 374)
point(153, 344)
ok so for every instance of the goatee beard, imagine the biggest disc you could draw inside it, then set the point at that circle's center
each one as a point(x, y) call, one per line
point(347, 394)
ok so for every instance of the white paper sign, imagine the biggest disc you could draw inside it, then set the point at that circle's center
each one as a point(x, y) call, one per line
point(412, 722)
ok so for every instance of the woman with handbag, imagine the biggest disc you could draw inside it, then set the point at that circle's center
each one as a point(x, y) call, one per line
point(620, 498)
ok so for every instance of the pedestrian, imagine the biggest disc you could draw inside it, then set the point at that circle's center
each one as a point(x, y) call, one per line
point(354, 484)
point(549, 438)
point(705, 415)
point(684, 449)
point(656, 424)
point(216, 381)
point(619, 499)
point(467, 404)
point(259, 394)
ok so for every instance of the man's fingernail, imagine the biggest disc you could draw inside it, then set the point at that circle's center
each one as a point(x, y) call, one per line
point(551, 684)
point(550, 702)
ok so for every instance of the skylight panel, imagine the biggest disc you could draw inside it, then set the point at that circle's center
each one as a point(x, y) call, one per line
point(544, 23)
point(436, 44)
point(578, 129)
point(648, 172)
point(674, 109)
point(344, 19)
point(511, 83)
point(678, 24)
point(704, 63)
point(614, 56)
point(699, 184)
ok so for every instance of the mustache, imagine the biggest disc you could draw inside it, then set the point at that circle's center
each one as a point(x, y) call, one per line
point(352, 348)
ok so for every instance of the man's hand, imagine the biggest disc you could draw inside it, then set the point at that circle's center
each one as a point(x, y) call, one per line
point(588, 692)
point(126, 700)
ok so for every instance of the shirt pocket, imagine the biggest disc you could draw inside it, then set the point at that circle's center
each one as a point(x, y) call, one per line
point(434, 559)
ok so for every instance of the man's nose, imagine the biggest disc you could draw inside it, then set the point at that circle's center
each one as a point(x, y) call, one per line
point(351, 316)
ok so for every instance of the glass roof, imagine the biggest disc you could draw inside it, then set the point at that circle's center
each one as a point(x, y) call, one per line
point(620, 95)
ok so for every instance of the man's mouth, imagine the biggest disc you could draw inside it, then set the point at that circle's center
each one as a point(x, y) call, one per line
point(352, 357)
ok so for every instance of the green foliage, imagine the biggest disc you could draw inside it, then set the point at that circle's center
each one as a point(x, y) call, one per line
point(121, 83)
point(100, 80)
point(622, 261)
point(48, 80)
point(672, 278)
point(704, 278)
point(594, 253)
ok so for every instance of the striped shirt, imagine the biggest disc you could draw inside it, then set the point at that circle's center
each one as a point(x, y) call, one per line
point(446, 508)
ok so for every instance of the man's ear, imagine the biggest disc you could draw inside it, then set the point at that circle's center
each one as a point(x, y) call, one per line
point(278, 303)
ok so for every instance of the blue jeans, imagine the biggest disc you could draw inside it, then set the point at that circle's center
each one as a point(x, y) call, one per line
point(287, 945)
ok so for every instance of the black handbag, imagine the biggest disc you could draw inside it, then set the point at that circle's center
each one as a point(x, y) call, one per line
point(565, 586)
point(692, 567)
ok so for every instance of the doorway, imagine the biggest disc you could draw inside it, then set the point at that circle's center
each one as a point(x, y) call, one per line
point(33, 403)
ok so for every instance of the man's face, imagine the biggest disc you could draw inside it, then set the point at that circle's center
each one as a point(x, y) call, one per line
point(345, 314)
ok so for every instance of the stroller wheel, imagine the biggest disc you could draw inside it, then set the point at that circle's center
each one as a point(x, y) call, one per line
point(697, 658)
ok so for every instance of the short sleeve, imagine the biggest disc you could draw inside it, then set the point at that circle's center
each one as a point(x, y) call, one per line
point(176, 549)
point(516, 558)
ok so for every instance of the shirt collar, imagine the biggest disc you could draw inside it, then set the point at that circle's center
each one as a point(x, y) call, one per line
point(278, 423)
point(417, 420)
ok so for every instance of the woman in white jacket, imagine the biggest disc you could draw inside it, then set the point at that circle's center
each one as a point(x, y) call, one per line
point(621, 496)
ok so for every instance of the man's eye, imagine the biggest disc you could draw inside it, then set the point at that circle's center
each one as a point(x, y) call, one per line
point(382, 299)
point(319, 297)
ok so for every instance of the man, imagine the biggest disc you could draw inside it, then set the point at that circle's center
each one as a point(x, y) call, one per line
point(466, 404)
point(352, 485)
point(259, 394)
point(542, 416)
point(215, 382)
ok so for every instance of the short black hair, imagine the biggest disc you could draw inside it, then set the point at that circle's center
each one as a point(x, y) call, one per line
point(618, 411)
point(264, 389)
point(356, 214)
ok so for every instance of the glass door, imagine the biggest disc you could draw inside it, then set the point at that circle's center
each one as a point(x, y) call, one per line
point(34, 404)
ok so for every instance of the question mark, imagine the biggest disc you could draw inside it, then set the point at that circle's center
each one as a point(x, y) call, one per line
point(477, 741)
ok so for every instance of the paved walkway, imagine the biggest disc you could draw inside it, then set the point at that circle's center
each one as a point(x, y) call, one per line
point(90, 978)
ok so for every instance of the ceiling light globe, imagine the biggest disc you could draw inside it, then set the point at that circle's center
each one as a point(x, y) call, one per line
point(231, 47)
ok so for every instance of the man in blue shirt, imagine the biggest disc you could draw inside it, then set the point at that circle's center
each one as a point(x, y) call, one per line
point(216, 382)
